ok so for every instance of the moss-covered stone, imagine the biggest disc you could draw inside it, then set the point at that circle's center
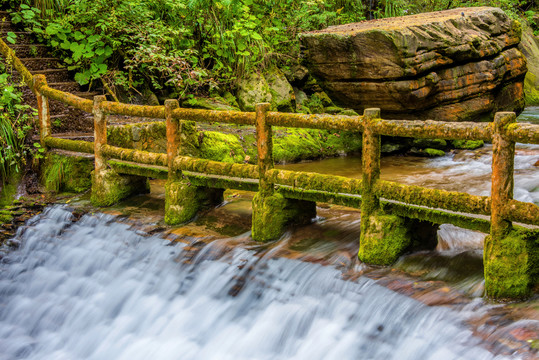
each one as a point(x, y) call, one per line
point(5, 217)
point(383, 238)
point(253, 90)
point(109, 187)
point(429, 143)
point(272, 213)
point(511, 264)
point(282, 94)
point(221, 147)
point(69, 173)
point(213, 103)
point(467, 144)
point(183, 200)
point(428, 152)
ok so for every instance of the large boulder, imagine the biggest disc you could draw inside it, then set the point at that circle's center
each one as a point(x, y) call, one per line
point(272, 87)
point(530, 48)
point(453, 65)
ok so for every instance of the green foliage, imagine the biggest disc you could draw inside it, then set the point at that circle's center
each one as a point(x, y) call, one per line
point(15, 123)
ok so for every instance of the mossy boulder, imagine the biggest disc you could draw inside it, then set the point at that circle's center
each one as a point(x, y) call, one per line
point(282, 94)
point(271, 87)
point(430, 143)
point(66, 171)
point(427, 152)
point(530, 48)
point(252, 90)
point(455, 65)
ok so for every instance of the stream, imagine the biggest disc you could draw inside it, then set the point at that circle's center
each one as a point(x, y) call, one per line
point(86, 284)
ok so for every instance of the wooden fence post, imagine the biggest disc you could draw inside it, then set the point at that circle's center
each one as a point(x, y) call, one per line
point(42, 108)
point(108, 187)
point(264, 145)
point(506, 254)
point(383, 236)
point(173, 137)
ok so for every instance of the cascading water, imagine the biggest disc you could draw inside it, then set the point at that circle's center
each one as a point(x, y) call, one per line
point(95, 289)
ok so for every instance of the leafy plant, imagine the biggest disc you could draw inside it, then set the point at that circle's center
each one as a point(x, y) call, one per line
point(16, 120)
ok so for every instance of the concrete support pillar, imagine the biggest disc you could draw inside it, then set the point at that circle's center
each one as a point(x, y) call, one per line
point(182, 199)
point(108, 187)
point(383, 237)
point(509, 254)
point(271, 210)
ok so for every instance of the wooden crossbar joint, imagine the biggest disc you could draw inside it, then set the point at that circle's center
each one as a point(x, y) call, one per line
point(43, 109)
point(264, 144)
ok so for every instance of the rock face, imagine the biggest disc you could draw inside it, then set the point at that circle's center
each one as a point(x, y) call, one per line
point(455, 65)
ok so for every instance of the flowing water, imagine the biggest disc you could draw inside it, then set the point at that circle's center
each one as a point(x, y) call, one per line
point(97, 287)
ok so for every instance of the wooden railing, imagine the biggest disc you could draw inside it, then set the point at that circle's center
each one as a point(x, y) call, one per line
point(372, 194)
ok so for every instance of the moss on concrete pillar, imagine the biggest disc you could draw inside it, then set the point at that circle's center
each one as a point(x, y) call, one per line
point(183, 200)
point(271, 213)
point(511, 264)
point(109, 187)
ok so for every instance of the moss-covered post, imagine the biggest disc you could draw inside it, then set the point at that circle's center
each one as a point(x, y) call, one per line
point(271, 210)
point(43, 109)
point(383, 237)
point(506, 257)
point(108, 187)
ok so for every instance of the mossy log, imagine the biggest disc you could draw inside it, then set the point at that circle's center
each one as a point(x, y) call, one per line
point(520, 211)
point(67, 98)
point(523, 133)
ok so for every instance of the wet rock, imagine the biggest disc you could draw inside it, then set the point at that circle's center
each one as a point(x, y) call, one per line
point(252, 90)
point(282, 94)
point(215, 103)
point(442, 65)
point(530, 48)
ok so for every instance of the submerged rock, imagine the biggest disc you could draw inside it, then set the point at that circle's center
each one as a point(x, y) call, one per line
point(453, 65)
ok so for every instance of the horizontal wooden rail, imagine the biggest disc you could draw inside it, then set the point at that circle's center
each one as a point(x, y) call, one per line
point(136, 156)
point(229, 117)
point(523, 133)
point(434, 129)
point(154, 112)
point(435, 198)
point(314, 181)
point(215, 167)
point(70, 145)
point(522, 212)
point(316, 121)
point(14, 61)
point(67, 98)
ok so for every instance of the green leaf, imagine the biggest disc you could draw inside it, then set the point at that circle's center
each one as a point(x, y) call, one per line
point(66, 45)
point(108, 51)
point(256, 36)
point(54, 43)
point(100, 51)
point(78, 35)
point(52, 29)
point(11, 40)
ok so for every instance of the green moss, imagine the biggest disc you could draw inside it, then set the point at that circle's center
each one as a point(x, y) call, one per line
point(383, 238)
point(291, 144)
point(183, 200)
point(5, 217)
point(109, 187)
point(221, 147)
point(272, 213)
point(428, 152)
point(8, 192)
point(511, 264)
point(467, 144)
point(430, 143)
point(531, 92)
point(67, 173)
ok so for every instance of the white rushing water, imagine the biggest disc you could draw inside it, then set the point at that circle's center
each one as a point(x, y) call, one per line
point(96, 289)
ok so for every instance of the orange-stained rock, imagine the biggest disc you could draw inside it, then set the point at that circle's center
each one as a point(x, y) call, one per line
point(460, 64)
